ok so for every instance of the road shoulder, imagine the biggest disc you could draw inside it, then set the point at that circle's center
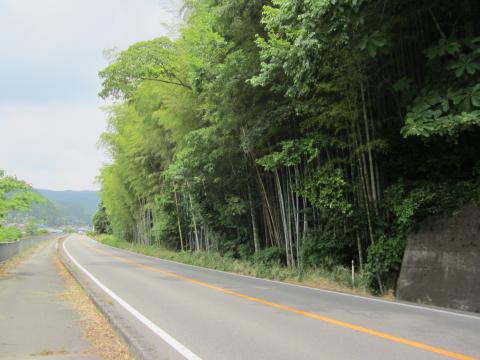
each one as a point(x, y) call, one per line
point(40, 312)
point(134, 340)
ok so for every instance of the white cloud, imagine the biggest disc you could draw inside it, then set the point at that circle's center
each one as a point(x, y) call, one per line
point(38, 28)
point(52, 146)
point(50, 55)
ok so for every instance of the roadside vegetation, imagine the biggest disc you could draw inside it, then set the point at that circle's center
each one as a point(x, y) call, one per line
point(68, 230)
point(291, 137)
point(10, 233)
point(16, 195)
point(263, 265)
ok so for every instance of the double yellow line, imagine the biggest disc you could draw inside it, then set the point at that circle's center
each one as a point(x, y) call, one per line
point(326, 319)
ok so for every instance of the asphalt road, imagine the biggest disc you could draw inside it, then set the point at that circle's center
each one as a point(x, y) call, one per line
point(181, 311)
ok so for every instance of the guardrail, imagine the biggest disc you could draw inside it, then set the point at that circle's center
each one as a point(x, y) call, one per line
point(9, 249)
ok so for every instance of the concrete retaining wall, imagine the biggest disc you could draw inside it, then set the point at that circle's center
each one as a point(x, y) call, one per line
point(7, 250)
point(441, 265)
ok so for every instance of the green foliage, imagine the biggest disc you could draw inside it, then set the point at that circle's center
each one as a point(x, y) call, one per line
point(449, 100)
point(408, 204)
point(298, 133)
point(144, 61)
point(270, 256)
point(326, 188)
point(372, 43)
point(101, 222)
point(15, 195)
point(384, 259)
point(68, 230)
point(10, 233)
point(31, 227)
point(325, 249)
point(416, 201)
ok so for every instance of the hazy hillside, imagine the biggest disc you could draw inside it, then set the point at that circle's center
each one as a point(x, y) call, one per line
point(63, 208)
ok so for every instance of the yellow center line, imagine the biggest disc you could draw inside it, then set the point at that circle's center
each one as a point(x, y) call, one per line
point(326, 319)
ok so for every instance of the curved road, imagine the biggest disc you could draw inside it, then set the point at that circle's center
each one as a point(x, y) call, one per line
point(180, 311)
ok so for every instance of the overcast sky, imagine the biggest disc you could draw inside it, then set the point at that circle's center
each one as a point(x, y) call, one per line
point(50, 54)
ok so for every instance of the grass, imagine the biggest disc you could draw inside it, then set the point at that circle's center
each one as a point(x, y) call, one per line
point(9, 233)
point(12, 233)
point(337, 279)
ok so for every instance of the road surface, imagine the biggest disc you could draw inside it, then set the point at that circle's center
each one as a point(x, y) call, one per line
point(180, 311)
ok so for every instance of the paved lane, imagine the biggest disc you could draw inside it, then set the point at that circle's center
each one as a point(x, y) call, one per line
point(215, 315)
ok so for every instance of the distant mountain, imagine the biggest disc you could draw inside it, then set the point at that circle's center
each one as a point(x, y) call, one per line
point(62, 208)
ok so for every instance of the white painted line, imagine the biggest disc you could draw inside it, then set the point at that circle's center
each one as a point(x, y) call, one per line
point(161, 333)
point(365, 298)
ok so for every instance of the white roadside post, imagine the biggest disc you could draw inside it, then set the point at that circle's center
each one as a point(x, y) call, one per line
point(353, 273)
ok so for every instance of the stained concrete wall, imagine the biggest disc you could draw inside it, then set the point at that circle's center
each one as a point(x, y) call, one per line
point(441, 265)
point(7, 250)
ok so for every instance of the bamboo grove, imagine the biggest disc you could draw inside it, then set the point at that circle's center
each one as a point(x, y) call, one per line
point(303, 132)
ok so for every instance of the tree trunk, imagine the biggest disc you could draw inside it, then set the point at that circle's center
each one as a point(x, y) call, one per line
point(178, 222)
point(197, 240)
point(256, 236)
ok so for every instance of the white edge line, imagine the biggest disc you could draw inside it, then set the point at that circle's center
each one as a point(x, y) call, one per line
point(425, 307)
point(158, 331)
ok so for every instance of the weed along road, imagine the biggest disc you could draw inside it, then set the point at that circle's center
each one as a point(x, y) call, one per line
point(172, 311)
